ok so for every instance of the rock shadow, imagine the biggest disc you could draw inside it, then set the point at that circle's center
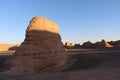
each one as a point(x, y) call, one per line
point(84, 61)
point(3, 58)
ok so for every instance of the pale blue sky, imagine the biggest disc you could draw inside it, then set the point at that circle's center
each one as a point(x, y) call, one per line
point(78, 20)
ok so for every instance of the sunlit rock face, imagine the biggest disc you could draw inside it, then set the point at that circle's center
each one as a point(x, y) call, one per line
point(106, 44)
point(7, 47)
point(41, 50)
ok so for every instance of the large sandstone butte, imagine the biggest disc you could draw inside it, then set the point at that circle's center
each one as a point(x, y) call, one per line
point(41, 50)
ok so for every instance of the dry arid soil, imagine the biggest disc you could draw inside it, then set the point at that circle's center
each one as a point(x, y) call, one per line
point(83, 64)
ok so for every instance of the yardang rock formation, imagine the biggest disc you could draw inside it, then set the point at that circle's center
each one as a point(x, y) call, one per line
point(103, 44)
point(41, 50)
point(106, 44)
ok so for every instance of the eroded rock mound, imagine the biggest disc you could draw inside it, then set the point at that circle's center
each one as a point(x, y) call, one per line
point(88, 44)
point(41, 50)
point(106, 44)
point(102, 44)
point(116, 44)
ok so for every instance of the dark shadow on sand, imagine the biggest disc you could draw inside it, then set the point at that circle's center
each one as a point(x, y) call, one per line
point(3, 58)
point(92, 60)
point(84, 61)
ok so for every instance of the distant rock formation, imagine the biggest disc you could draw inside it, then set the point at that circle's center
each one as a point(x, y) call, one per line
point(106, 44)
point(6, 47)
point(115, 43)
point(77, 45)
point(15, 47)
point(68, 44)
point(88, 44)
point(41, 50)
point(102, 44)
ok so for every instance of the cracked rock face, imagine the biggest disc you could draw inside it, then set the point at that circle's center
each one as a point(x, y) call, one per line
point(41, 50)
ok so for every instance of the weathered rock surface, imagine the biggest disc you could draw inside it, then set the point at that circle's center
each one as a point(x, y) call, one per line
point(41, 50)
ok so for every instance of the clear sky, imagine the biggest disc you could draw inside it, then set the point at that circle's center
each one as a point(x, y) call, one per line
point(78, 20)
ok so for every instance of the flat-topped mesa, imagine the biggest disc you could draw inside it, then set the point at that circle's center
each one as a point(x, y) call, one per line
point(41, 50)
point(41, 29)
point(42, 24)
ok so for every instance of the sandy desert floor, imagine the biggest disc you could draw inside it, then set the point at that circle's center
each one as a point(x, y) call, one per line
point(83, 64)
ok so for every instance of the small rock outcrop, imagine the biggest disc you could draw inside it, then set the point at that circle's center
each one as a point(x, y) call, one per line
point(115, 43)
point(106, 44)
point(102, 44)
point(7, 47)
point(69, 44)
point(88, 44)
point(41, 50)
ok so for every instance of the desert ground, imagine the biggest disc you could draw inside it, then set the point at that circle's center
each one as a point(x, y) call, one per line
point(83, 64)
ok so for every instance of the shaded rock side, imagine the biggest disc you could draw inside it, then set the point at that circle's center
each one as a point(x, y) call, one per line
point(116, 44)
point(88, 44)
point(41, 50)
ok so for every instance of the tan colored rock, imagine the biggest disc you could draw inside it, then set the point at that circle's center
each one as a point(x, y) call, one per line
point(106, 44)
point(41, 50)
point(6, 47)
point(69, 44)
